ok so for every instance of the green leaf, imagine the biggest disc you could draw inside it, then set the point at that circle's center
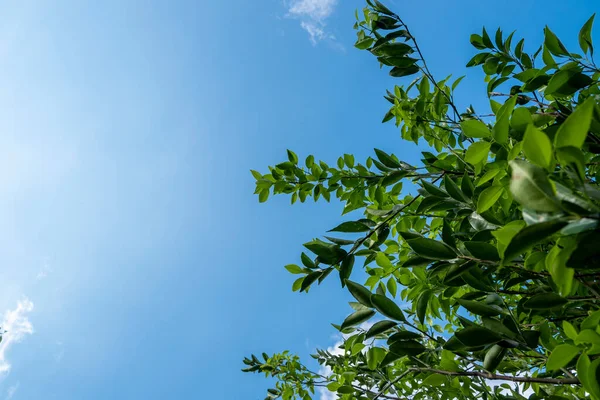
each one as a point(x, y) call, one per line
point(589, 374)
point(310, 279)
point(435, 380)
point(403, 335)
point(351, 227)
point(486, 39)
point(422, 303)
point(407, 348)
point(386, 159)
point(328, 253)
point(364, 44)
point(292, 157)
point(392, 286)
point(477, 152)
point(506, 233)
point(345, 389)
point(477, 41)
point(346, 268)
point(297, 285)
point(479, 308)
point(396, 49)
point(294, 269)
point(521, 119)
point(594, 378)
point(399, 72)
point(585, 36)
point(433, 190)
point(530, 187)
point(545, 301)
point(475, 336)
point(257, 175)
point(500, 130)
point(448, 234)
point(588, 336)
point(537, 147)
point(489, 175)
point(483, 251)
point(431, 249)
point(573, 158)
point(530, 236)
point(488, 198)
point(493, 357)
point(383, 261)
point(553, 44)
point(561, 356)
point(374, 356)
point(569, 330)
point(556, 261)
point(380, 327)
point(457, 270)
point(454, 191)
point(263, 195)
point(592, 321)
point(475, 129)
point(308, 263)
point(387, 307)
point(360, 293)
point(349, 160)
point(575, 128)
point(357, 318)
point(566, 82)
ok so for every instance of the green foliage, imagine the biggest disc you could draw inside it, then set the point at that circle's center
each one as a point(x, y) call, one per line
point(491, 269)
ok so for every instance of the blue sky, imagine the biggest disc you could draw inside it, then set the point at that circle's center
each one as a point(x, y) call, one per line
point(136, 263)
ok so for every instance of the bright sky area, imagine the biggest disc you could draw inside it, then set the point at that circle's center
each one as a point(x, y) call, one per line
point(135, 261)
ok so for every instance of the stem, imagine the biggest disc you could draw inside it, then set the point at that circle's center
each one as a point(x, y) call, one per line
point(551, 381)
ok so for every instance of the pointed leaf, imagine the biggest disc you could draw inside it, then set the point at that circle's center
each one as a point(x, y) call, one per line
point(360, 293)
point(475, 129)
point(530, 236)
point(530, 187)
point(380, 327)
point(387, 307)
point(357, 318)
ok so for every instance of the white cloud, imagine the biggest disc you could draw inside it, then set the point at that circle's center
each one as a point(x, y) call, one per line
point(313, 15)
point(11, 391)
point(16, 325)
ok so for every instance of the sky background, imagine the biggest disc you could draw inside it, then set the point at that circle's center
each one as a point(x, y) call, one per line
point(135, 263)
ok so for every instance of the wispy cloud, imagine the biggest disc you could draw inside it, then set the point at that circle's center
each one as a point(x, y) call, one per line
point(43, 272)
point(313, 15)
point(16, 326)
point(11, 391)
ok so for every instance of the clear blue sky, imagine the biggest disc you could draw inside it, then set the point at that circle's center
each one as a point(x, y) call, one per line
point(127, 220)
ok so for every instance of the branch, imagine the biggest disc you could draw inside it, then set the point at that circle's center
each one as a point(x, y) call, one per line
point(551, 381)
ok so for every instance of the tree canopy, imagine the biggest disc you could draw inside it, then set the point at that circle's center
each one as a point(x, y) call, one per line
point(490, 269)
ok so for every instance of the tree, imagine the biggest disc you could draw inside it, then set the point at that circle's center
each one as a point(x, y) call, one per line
point(496, 255)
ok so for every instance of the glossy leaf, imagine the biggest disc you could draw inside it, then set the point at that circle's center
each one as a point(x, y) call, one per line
point(530, 187)
point(475, 129)
point(357, 318)
point(545, 301)
point(575, 128)
point(530, 236)
point(360, 293)
point(387, 307)
point(561, 356)
point(537, 147)
point(380, 327)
